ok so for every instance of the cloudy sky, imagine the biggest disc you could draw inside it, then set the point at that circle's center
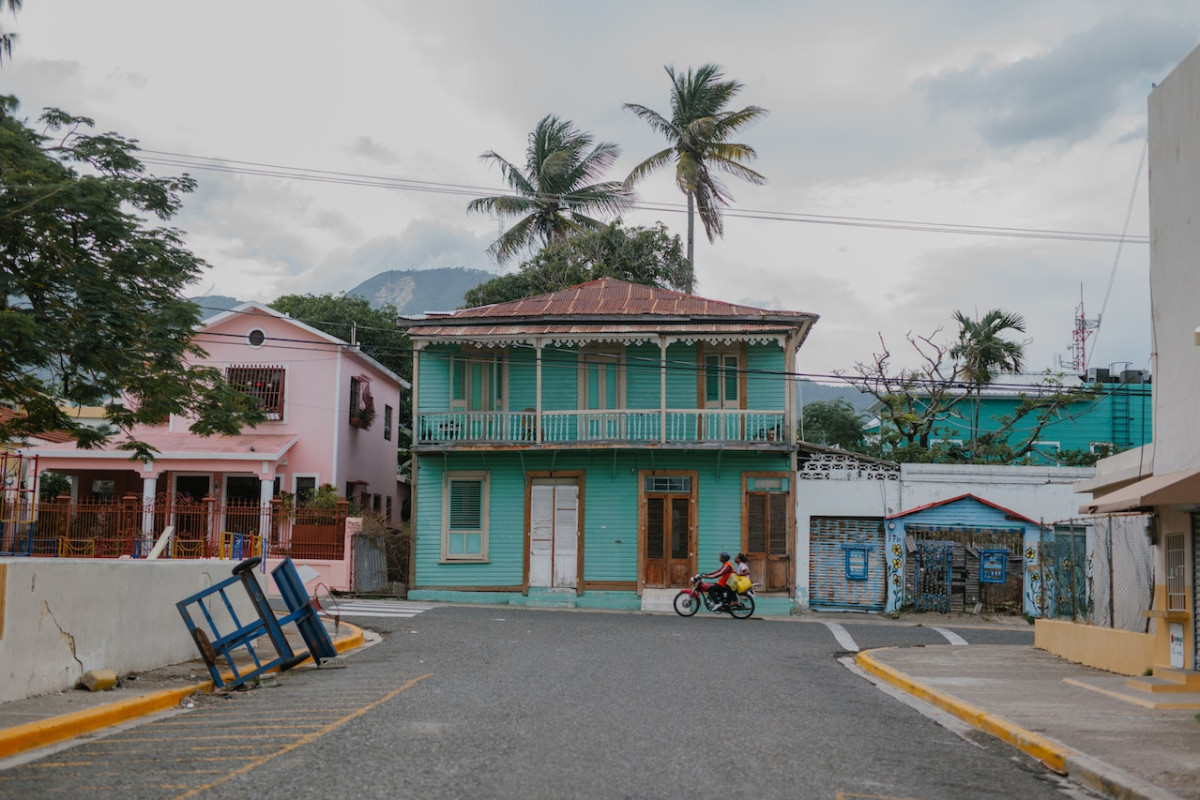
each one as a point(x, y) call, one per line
point(1029, 116)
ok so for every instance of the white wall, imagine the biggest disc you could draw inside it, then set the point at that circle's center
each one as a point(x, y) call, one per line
point(1174, 119)
point(63, 617)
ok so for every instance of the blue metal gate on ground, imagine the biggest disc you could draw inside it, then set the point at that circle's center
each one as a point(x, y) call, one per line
point(847, 563)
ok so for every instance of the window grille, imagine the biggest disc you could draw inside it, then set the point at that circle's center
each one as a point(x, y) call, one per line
point(265, 384)
point(1176, 574)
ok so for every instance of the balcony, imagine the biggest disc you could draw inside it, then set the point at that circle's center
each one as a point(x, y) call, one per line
point(625, 428)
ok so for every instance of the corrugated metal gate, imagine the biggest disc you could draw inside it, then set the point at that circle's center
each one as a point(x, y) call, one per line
point(847, 563)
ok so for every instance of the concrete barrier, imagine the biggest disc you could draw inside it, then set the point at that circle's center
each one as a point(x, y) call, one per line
point(60, 618)
point(1122, 652)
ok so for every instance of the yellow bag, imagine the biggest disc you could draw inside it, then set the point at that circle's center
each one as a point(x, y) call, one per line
point(739, 583)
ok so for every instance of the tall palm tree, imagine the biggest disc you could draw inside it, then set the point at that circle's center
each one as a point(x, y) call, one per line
point(7, 37)
point(699, 129)
point(985, 353)
point(554, 195)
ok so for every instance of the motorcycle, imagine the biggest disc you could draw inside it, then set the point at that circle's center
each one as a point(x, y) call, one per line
point(688, 601)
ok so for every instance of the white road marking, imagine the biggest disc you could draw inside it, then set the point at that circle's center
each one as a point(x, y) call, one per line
point(843, 637)
point(951, 636)
point(377, 608)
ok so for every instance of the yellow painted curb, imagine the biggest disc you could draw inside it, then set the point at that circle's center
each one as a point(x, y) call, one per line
point(1050, 753)
point(42, 733)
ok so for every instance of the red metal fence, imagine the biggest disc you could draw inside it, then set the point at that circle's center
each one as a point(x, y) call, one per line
point(206, 528)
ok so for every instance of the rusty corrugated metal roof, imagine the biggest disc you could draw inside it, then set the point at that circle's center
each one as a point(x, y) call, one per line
point(608, 305)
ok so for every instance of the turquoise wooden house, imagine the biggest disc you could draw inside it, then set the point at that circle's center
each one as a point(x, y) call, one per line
point(964, 552)
point(598, 445)
point(1118, 415)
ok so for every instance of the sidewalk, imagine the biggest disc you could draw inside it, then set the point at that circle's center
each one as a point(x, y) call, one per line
point(52, 718)
point(1079, 721)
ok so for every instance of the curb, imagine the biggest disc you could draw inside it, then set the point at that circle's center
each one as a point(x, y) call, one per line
point(1084, 769)
point(33, 735)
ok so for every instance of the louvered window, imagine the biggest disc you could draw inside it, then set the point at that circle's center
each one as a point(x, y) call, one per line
point(263, 383)
point(465, 517)
point(767, 522)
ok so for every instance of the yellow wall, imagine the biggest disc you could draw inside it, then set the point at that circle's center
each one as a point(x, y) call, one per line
point(1122, 652)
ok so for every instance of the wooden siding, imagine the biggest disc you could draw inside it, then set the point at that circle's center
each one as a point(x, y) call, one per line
point(522, 381)
point(560, 380)
point(829, 585)
point(682, 376)
point(433, 378)
point(610, 524)
point(768, 389)
point(642, 376)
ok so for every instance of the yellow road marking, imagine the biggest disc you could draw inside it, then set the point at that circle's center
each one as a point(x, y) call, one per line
point(306, 739)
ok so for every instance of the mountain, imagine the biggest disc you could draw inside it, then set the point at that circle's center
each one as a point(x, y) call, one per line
point(418, 291)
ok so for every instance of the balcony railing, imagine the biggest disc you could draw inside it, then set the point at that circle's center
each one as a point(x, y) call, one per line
point(690, 426)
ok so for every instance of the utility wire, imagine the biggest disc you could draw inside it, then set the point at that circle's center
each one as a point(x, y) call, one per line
point(261, 169)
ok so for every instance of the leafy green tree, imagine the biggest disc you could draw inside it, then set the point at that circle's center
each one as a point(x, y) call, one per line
point(650, 256)
point(698, 129)
point(985, 353)
point(834, 423)
point(91, 293)
point(8, 37)
point(556, 193)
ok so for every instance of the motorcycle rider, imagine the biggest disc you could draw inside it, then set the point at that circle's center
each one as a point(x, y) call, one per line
point(718, 592)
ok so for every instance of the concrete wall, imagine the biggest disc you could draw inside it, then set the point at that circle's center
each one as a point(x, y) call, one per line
point(1122, 652)
point(62, 617)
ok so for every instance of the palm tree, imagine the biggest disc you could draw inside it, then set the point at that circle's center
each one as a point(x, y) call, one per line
point(985, 354)
point(699, 129)
point(554, 195)
point(6, 37)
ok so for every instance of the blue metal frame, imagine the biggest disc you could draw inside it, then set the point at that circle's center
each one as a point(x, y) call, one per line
point(993, 565)
point(220, 647)
point(858, 561)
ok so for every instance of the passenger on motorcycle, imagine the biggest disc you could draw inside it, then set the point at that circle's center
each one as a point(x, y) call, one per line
point(718, 592)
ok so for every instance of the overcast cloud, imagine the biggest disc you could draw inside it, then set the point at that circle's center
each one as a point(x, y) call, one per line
point(1022, 114)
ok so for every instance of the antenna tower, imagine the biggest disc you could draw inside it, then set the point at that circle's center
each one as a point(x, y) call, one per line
point(1084, 328)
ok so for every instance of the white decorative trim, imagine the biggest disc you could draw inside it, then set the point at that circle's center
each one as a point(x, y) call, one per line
point(845, 466)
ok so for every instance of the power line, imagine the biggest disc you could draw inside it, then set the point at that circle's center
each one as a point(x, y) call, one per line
point(366, 180)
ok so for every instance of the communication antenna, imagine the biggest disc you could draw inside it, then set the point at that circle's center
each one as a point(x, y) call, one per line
point(1083, 330)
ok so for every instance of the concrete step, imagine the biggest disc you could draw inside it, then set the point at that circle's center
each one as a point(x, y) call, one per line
point(658, 599)
point(1167, 679)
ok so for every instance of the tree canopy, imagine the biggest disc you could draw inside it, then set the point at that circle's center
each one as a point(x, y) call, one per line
point(352, 318)
point(557, 192)
point(698, 132)
point(833, 423)
point(651, 256)
point(91, 304)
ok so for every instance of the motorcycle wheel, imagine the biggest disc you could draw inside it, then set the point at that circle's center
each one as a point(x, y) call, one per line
point(743, 608)
point(686, 604)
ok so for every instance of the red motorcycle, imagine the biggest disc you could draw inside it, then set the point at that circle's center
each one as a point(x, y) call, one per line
point(688, 601)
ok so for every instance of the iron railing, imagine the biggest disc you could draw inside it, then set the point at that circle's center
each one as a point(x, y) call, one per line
point(205, 528)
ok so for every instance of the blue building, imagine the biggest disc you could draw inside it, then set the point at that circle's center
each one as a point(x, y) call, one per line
point(590, 445)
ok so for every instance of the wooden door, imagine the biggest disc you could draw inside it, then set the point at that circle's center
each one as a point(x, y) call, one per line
point(553, 532)
point(668, 556)
point(768, 543)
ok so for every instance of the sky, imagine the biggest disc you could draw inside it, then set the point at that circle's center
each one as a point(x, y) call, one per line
point(1022, 115)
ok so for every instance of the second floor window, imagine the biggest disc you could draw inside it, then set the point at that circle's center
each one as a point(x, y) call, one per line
point(264, 384)
point(601, 380)
point(476, 383)
point(722, 379)
point(387, 422)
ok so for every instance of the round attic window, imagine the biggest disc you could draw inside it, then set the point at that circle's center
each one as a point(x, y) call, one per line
point(256, 338)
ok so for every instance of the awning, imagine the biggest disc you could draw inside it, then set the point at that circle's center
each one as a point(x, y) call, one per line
point(1181, 487)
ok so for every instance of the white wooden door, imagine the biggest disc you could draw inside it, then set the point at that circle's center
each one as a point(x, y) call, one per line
point(554, 532)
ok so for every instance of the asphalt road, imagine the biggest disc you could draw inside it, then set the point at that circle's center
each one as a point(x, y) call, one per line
point(500, 702)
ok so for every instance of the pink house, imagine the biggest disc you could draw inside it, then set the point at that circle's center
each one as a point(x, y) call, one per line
point(333, 416)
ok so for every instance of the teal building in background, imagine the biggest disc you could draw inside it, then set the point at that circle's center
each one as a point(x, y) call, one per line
point(1117, 416)
point(599, 445)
